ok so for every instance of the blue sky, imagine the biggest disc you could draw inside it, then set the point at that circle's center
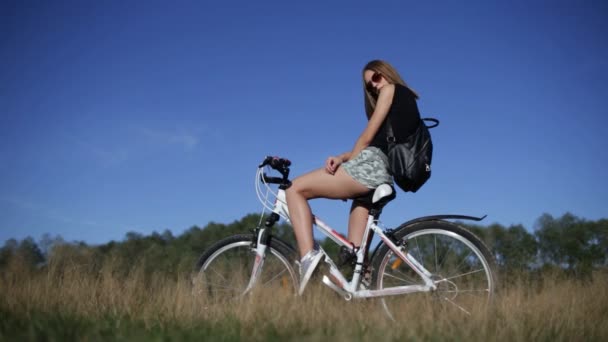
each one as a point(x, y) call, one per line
point(120, 116)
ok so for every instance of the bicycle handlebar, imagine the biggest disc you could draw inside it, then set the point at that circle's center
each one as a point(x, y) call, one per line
point(271, 180)
point(276, 162)
point(279, 164)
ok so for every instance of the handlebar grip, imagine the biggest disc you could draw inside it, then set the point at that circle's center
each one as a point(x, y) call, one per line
point(276, 162)
point(279, 162)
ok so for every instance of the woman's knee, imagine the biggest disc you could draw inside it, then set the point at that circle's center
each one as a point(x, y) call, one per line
point(298, 186)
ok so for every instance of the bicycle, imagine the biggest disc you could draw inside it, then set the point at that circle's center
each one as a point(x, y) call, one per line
point(427, 255)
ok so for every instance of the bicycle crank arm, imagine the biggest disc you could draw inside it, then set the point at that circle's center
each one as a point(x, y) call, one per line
point(341, 292)
point(393, 291)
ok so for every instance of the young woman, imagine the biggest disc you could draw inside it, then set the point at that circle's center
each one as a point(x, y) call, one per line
point(357, 172)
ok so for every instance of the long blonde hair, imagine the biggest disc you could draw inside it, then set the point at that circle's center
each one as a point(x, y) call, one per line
point(390, 74)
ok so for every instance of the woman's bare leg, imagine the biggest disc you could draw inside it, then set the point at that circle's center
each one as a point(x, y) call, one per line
point(318, 183)
point(357, 222)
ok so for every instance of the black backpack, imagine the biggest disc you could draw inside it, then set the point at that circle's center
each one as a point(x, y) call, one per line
point(410, 160)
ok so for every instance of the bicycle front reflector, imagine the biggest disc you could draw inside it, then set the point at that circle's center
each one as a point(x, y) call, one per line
point(396, 264)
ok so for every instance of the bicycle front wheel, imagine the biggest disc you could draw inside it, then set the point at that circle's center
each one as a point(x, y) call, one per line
point(224, 270)
point(462, 269)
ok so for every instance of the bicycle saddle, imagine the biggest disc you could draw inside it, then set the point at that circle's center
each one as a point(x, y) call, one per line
point(379, 197)
point(384, 192)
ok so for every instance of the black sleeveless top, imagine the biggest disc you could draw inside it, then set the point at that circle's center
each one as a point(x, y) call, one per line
point(403, 117)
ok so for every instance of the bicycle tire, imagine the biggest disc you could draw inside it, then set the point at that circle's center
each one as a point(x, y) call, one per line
point(462, 266)
point(223, 271)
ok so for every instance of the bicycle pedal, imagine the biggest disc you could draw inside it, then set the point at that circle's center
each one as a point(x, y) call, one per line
point(346, 256)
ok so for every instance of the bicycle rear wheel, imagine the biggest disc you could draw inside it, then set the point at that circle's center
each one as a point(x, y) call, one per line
point(462, 268)
point(224, 270)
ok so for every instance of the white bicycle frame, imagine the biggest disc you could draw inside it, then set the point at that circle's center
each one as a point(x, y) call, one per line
point(348, 289)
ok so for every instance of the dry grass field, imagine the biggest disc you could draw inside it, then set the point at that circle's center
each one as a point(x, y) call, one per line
point(71, 303)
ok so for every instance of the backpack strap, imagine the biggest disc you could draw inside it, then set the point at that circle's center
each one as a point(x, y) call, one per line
point(390, 137)
point(433, 120)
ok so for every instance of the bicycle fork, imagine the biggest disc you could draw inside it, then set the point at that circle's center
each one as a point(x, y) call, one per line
point(258, 264)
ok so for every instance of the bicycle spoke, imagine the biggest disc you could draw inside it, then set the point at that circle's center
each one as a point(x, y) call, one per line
point(435, 248)
point(421, 258)
point(472, 294)
point(409, 280)
point(273, 278)
point(463, 260)
point(412, 280)
point(459, 264)
point(403, 280)
point(445, 255)
point(465, 291)
point(458, 306)
point(216, 272)
point(464, 274)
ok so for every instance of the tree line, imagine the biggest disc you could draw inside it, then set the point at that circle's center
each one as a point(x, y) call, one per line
point(567, 243)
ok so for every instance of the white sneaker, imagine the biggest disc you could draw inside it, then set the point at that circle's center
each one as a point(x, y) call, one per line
point(307, 265)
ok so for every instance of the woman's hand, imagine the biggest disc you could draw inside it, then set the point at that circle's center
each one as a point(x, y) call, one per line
point(332, 164)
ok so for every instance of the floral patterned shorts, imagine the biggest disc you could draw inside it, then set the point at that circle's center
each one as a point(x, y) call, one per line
point(369, 167)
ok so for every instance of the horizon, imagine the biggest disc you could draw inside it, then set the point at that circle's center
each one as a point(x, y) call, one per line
point(47, 240)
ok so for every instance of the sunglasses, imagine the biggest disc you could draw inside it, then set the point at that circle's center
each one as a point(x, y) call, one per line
point(376, 77)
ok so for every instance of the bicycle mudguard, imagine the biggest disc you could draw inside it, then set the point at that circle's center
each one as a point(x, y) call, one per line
point(430, 218)
point(441, 217)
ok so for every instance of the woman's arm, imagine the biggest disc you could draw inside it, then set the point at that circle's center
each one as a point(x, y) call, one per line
point(385, 99)
point(383, 105)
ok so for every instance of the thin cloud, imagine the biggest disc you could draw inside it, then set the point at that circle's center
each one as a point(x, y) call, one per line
point(45, 212)
point(135, 141)
point(186, 140)
point(110, 157)
point(106, 156)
